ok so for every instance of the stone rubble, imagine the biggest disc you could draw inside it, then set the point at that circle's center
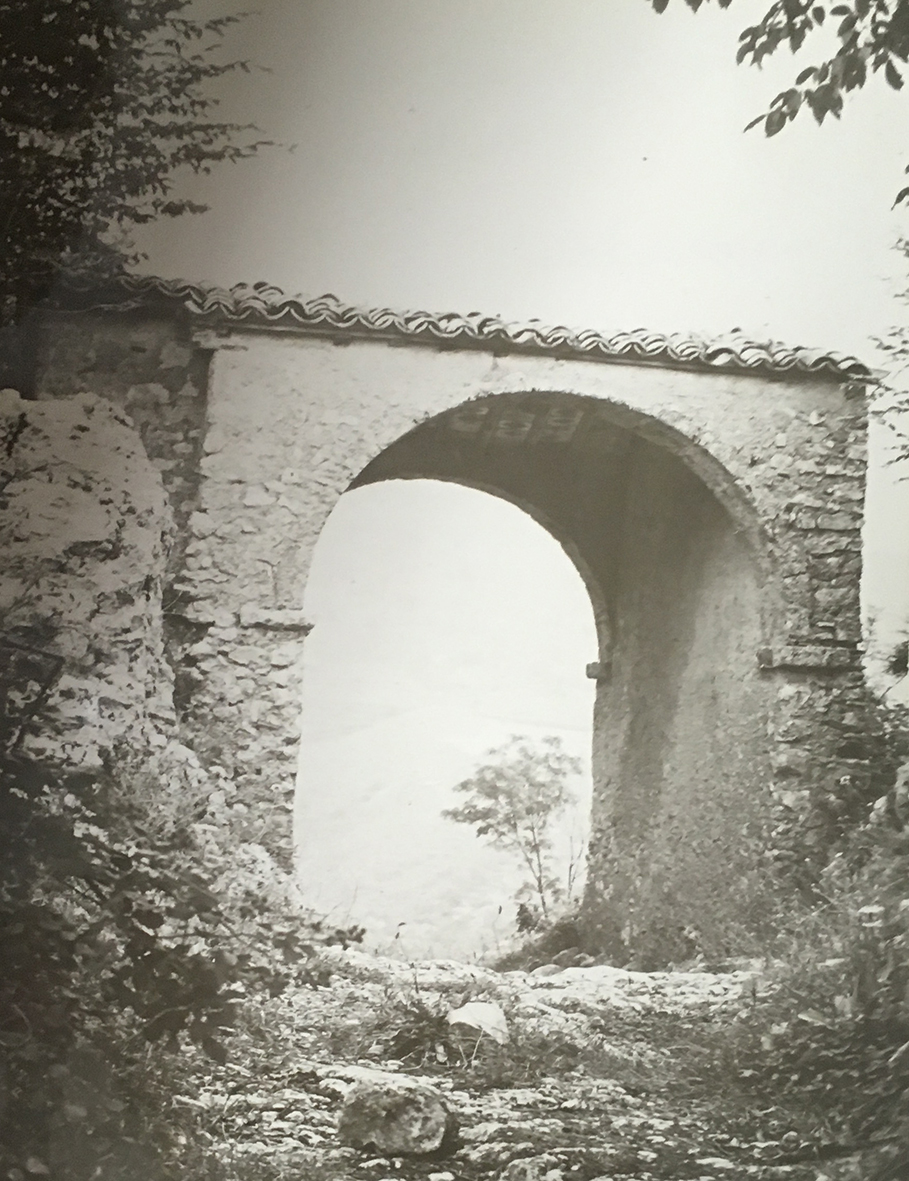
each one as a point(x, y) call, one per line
point(570, 988)
point(605, 1117)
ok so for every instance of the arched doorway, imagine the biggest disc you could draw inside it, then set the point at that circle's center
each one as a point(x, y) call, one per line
point(710, 494)
point(674, 564)
point(446, 621)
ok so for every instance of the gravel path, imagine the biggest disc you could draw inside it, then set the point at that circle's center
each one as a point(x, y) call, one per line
point(608, 1075)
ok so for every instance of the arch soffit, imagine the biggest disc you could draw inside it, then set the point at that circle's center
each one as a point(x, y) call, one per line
point(710, 470)
point(735, 500)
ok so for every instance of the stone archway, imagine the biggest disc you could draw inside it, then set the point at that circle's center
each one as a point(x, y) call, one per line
point(681, 757)
point(728, 478)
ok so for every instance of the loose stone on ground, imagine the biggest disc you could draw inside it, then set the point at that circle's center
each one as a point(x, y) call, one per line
point(621, 1107)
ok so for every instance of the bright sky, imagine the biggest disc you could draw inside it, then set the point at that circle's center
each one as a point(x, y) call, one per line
point(415, 637)
point(456, 622)
point(577, 161)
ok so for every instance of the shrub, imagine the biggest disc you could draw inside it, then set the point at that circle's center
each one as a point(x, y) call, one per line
point(833, 1034)
point(118, 947)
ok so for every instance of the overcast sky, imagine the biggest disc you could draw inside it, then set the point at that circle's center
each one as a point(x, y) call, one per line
point(581, 161)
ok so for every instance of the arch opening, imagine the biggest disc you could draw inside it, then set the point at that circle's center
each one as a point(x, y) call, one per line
point(675, 564)
point(446, 621)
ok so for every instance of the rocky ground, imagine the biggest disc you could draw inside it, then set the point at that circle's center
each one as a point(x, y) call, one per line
point(607, 1075)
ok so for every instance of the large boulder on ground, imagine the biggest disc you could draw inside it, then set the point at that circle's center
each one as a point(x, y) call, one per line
point(396, 1115)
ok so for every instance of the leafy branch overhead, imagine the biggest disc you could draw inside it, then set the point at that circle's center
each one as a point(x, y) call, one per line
point(104, 104)
point(872, 37)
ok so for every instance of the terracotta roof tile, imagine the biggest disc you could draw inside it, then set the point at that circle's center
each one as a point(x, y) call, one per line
point(260, 305)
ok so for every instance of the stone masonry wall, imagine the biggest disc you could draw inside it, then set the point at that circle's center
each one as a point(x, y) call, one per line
point(762, 446)
point(149, 367)
point(255, 458)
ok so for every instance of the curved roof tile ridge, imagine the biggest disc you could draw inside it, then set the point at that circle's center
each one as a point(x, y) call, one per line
point(266, 306)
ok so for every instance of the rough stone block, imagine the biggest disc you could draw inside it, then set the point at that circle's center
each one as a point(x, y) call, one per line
point(835, 598)
point(838, 522)
point(258, 497)
point(814, 656)
point(396, 1116)
point(274, 619)
point(285, 655)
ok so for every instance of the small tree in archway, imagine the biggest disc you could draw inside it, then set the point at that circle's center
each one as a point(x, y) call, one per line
point(513, 799)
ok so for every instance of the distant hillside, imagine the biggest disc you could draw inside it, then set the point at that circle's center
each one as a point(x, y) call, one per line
point(375, 849)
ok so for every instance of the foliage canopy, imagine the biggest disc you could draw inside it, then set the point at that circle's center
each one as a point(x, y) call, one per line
point(103, 103)
point(872, 37)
